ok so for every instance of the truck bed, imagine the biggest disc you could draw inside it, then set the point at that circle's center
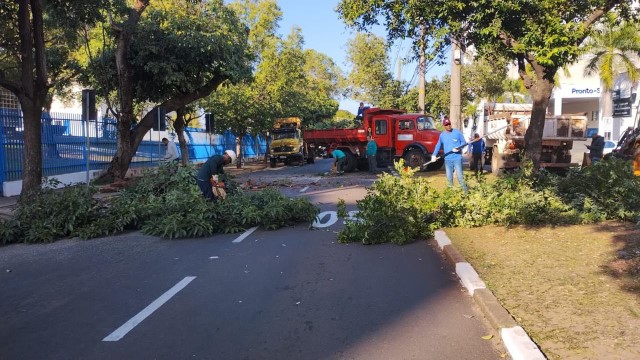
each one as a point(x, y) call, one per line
point(336, 135)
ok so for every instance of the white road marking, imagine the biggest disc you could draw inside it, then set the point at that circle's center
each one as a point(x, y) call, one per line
point(120, 332)
point(332, 219)
point(304, 189)
point(245, 234)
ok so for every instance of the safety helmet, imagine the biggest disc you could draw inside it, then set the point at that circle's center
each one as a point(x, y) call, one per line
point(231, 154)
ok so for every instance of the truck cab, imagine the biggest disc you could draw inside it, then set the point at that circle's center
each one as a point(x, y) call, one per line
point(286, 142)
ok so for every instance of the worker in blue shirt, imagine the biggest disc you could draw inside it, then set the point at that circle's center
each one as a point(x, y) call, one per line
point(452, 141)
point(339, 160)
point(476, 149)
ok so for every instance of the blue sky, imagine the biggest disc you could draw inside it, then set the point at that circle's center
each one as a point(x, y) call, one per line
point(325, 32)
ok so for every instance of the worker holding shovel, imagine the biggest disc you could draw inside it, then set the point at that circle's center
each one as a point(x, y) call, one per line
point(452, 141)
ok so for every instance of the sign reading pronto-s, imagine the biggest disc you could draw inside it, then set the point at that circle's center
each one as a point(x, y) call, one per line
point(585, 91)
point(580, 91)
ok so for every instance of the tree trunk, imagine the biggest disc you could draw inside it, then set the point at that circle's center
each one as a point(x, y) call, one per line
point(179, 126)
point(540, 92)
point(239, 150)
point(138, 133)
point(121, 160)
point(32, 91)
point(266, 153)
point(32, 153)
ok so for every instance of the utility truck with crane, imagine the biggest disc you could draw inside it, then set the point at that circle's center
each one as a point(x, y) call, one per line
point(503, 126)
point(412, 137)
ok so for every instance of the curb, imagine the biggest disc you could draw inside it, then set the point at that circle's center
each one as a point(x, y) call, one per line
point(515, 339)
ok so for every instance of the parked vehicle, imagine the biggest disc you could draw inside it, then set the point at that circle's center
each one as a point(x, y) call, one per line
point(397, 134)
point(504, 147)
point(609, 145)
point(286, 142)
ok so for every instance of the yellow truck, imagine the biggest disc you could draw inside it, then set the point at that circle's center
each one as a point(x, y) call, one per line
point(287, 145)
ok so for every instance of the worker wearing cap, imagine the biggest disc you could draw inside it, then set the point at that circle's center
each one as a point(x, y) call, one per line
point(214, 166)
point(452, 141)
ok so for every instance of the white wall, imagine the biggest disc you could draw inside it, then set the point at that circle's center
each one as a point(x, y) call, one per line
point(14, 188)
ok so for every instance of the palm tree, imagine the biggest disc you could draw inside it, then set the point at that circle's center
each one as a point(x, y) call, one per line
point(614, 47)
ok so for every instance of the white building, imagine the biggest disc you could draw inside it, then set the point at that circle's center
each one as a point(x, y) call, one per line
point(578, 93)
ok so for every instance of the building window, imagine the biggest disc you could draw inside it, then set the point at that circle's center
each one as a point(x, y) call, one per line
point(8, 100)
point(595, 115)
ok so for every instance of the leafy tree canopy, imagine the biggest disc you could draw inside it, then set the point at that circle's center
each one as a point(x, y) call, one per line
point(177, 49)
point(545, 34)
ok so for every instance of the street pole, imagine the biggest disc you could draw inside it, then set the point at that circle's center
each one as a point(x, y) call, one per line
point(86, 130)
point(456, 77)
point(159, 139)
point(421, 69)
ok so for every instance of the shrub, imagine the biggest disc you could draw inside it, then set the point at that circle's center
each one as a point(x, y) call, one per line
point(606, 190)
point(405, 208)
point(49, 214)
point(393, 210)
point(166, 203)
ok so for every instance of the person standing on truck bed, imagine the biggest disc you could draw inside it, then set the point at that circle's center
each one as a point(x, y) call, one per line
point(452, 141)
point(360, 113)
point(372, 149)
point(340, 158)
point(596, 148)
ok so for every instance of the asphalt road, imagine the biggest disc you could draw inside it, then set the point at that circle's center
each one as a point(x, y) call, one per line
point(294, 293)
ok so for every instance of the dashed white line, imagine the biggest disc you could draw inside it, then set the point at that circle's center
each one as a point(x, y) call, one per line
point(245, 234)
point(120, 332)
point(304, 189)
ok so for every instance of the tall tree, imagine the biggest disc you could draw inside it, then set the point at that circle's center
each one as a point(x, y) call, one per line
point(171, 56)
point(324, 83)
point(484, 77)
point(247, 105)
point(369, 76)
point(613, 47)
point(262, 18)
point(545, 34)
point(37, 38)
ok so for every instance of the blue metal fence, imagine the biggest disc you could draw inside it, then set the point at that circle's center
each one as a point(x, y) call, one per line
point(67, 141)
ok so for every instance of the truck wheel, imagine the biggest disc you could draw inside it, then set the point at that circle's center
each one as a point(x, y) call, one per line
point(436, 165)
point(272, 162)
point(350, 163)
point(414, 159)
point(496, 162)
